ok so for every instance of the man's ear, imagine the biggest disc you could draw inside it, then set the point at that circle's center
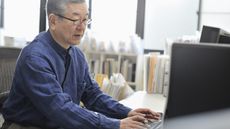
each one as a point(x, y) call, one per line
point(52, 21)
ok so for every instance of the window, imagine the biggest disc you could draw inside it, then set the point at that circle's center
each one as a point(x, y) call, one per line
point(21, 18)
point(114, 19)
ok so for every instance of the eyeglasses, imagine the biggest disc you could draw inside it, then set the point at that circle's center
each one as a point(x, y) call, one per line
point(77, 22)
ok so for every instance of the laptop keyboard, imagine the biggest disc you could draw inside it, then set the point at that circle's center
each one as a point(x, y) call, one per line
point(154, 124)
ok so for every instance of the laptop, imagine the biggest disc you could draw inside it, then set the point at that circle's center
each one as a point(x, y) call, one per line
point(199, 80)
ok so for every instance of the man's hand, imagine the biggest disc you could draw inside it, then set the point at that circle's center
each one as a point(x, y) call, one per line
point(133, 122)
point(145, 112)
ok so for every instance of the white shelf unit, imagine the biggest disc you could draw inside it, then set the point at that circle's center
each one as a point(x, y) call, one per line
point(110, 62)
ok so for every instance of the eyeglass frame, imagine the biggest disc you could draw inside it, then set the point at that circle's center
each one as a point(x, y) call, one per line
point(77, 22)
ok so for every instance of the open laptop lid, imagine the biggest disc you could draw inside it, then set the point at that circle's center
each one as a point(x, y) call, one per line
point(199, 79)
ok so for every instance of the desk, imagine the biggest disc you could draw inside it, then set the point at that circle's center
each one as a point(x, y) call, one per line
point(141, 99)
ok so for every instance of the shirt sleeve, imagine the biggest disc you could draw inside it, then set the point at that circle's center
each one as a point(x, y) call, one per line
point(95, 99)
point(45, 92)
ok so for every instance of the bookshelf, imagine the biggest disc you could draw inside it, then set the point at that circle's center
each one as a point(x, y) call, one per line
point(111, 62)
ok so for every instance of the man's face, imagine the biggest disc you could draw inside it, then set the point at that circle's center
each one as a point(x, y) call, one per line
point(70, 27)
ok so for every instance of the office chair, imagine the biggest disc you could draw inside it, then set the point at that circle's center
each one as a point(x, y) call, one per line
point(8, 58)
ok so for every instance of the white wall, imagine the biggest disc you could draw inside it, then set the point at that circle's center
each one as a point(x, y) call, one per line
point(169, 19)
point(216, 13)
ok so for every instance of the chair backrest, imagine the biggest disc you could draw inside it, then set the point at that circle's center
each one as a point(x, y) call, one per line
point(8, 58)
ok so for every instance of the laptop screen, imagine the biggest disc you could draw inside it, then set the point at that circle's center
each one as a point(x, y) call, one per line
point(199, 79)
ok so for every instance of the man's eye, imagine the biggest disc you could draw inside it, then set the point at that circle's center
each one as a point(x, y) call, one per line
point(84, 20)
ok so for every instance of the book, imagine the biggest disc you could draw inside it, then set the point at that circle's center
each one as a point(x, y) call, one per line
point(161, 73)
point(155, 73)
point(166, 79)
point(151, 76)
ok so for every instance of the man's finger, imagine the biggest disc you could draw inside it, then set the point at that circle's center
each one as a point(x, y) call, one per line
point(139, 118)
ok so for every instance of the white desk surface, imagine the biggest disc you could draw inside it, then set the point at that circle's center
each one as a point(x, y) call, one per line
point(141, 99)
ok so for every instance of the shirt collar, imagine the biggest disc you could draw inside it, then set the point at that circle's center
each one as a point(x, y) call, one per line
point(58, 48)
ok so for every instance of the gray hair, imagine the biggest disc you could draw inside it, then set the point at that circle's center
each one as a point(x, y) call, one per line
point(59, 6)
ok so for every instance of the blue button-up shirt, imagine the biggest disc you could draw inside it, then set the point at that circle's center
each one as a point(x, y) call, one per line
point(47, 94)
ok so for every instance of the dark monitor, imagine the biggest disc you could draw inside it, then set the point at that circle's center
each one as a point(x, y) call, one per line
point(199, 79)
point(211, 34)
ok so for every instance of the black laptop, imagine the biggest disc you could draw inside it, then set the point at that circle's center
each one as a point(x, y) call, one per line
point(199, 79)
